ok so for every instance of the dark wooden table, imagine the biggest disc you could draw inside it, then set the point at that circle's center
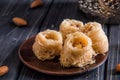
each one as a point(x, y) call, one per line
point(49, 16)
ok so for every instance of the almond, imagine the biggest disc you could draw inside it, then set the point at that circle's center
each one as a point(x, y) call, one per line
point(3, 70)
point(118, 68)
point(36, 3)
point(19, 21)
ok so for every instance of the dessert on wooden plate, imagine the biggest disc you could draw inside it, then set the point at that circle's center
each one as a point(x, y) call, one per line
point(76, 44)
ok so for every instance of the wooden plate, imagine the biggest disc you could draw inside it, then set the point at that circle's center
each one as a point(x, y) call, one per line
point(52, 67)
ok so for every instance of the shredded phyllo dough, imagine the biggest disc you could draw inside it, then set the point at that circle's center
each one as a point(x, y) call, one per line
point(76, 44)
point(47, 45)
point(77, 51)
point(70, 26)
point(95, 32)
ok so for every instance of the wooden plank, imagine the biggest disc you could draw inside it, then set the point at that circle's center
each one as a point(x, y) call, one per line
point(11, 36)
point(62, 9)
point(114, 52)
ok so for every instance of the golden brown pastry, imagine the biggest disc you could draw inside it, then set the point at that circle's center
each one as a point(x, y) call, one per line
point(99, 39)
point(47, 45)
point(69, 26)
point(76, 44)
point(77, 51)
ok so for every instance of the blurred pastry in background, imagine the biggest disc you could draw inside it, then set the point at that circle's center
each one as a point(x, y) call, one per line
point(70, 26)
point(102, 11)
point(99, 39)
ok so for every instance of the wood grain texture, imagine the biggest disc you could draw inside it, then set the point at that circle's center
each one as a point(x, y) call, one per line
point(12, 36)
point(62, 9)
point(114, 56)
point(48, 16)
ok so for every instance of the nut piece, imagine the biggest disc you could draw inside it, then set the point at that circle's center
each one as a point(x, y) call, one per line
point(36, 3)
point(3, 70)
point(118, 67)
point(19, 21)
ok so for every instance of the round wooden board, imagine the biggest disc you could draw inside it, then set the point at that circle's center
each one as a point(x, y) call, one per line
point(53, 67)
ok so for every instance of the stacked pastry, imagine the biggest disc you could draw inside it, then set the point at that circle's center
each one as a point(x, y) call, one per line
point(70, 26)
point(75, 43)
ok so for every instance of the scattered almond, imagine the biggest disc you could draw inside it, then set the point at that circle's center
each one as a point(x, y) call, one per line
point(36, 3)
point(3, 70)
point(19, 21)
point(118, 68)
